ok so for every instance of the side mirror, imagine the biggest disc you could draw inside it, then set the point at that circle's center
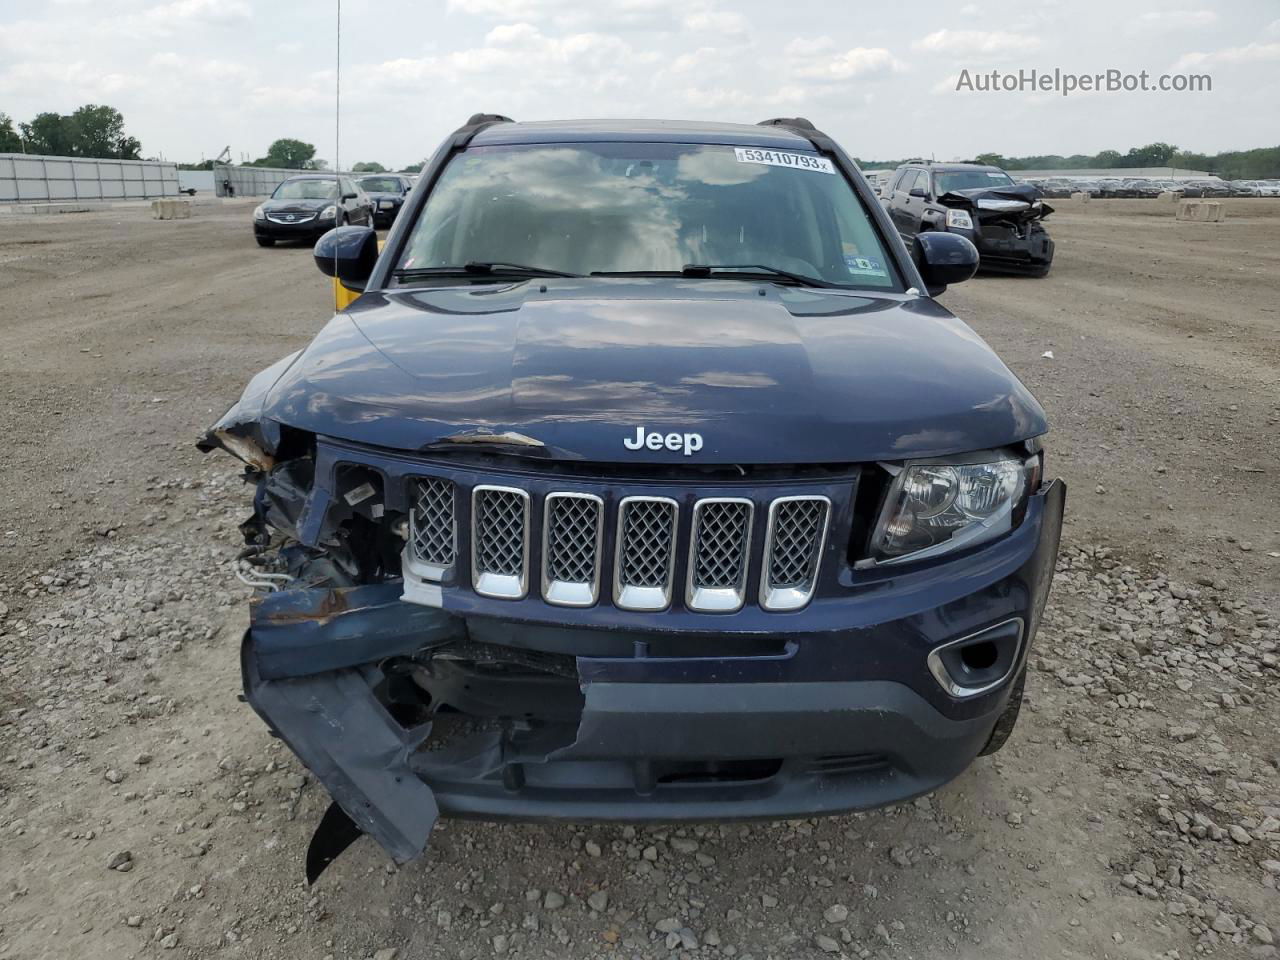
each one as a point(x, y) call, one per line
point(347, 253)
point(348, 196)
point(942, 259)
point(920, 192)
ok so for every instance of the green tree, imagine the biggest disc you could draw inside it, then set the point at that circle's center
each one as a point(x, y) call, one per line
point(991, 159)
point(50, 134)
point(10, 142)
point(414, 168)
point(98, 131)
point(287, 153)
point(368, 166)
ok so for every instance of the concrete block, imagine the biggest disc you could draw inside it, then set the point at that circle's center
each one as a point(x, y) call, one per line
point(1201, 211)
point(170, 209)
point(1081, 196)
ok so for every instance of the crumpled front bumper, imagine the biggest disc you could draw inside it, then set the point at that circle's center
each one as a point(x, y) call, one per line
point(821, 723)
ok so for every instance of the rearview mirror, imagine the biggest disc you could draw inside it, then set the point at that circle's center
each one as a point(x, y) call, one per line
point(942, 259)
point(347, 253)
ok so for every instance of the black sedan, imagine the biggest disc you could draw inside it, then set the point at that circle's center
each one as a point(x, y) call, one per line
point(305, 206)
point(387, 192)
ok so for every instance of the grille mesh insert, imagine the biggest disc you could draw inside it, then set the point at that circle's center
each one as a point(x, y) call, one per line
point(648, 528)
point(500, 532)
point(433, 532)
point(572, 538)
point(797, 533)
point(721, 544)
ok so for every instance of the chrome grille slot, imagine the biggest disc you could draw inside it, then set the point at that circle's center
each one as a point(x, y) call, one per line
point(718, 554)
point(433, 529)
point(500, 541)
point(644, 563)
point(572, 532)
point(792, 551)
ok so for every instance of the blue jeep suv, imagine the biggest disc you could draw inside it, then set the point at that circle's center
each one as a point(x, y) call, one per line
point(644, 479)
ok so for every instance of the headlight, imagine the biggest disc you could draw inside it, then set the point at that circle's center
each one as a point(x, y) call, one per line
point(959, 218)
point(329, 213)
point(260, 213)
point(934, 508)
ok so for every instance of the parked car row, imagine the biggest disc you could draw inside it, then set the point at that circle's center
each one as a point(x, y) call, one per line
point(310, 204)
point(1139, 187)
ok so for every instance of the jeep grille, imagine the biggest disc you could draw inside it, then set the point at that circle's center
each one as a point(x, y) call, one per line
point(635, 553)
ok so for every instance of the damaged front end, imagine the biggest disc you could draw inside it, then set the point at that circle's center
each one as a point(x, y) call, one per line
point(410, 694)
point(1006, 224)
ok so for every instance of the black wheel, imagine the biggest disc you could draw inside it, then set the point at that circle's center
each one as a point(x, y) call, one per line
point(265, 241)
point(1008, 720)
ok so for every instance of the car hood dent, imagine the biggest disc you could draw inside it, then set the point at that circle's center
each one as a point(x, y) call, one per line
point(794, 376)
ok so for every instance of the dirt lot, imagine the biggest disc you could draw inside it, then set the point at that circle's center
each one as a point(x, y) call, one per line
point(1135, 813)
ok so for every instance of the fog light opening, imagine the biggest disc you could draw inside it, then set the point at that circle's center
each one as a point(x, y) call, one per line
point(979, 656)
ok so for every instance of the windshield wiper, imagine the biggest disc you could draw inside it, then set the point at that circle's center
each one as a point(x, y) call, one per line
point(706, 270)
point(482, 268)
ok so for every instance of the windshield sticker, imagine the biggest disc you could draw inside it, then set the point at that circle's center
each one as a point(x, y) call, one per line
point(996, 176)
point(865, 266)
point(777, 158)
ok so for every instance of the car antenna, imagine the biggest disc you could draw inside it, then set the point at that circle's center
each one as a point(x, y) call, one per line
point(337, 117)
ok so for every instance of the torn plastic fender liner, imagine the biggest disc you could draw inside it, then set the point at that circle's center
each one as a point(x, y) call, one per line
point(300, 633)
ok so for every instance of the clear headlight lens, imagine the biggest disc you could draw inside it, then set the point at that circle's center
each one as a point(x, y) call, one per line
point(329, 213)
point(959, 218)
point(934, 508)
point(259, 213)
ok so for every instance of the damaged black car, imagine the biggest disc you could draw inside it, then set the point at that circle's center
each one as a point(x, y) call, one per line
point(1005, 220)
point(643, 479)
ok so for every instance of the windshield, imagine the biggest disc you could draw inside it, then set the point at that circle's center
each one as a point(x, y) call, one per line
point(971, 180)
point(648, 207)
point(310, 189)
point(379, 184)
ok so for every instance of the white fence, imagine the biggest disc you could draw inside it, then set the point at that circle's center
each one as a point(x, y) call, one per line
point(37, 179)
point(236, 181)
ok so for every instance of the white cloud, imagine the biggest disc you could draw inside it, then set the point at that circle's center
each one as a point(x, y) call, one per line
point(716, 21)
point(970, 43)
point(1176, 19)
point(808, 46)
point(858, 62)
point(200, 11)
point(1250, 53)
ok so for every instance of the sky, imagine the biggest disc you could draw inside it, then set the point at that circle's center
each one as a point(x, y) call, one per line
point(193, 76)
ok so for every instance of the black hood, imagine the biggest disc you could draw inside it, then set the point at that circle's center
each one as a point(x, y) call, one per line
point(1019, 200)
point(791, 376)
point(297, 206)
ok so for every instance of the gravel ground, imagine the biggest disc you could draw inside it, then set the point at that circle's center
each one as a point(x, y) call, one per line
point(144, 811)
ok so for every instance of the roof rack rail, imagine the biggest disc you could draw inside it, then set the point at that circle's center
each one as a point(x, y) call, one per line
point(917, 160)
point(798, 123)
point(478, 118)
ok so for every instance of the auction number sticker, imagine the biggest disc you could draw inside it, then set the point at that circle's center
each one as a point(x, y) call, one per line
point(777, 158)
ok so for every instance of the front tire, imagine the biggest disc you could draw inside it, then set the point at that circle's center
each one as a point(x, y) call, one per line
point(1008, 719)
point(265, 241)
